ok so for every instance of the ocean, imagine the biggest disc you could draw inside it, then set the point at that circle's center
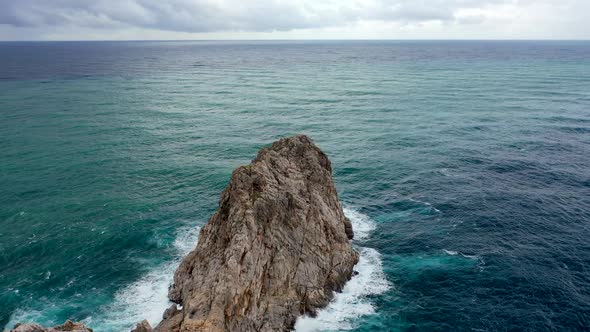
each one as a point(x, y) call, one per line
point(463, 165)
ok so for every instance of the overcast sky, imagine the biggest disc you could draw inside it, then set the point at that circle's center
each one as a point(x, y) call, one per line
point(291, 19)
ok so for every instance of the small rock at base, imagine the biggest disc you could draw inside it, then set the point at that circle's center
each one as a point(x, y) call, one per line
point(144, 326)
point(67, 326)
point(170, 311)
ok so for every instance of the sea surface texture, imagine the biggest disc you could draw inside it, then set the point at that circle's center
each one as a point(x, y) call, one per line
point(464, 166)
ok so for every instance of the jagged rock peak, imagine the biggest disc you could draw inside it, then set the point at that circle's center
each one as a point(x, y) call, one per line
point(276, 248)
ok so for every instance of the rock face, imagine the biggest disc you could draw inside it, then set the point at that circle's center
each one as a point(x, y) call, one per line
point(67, 326)
point(276, 248)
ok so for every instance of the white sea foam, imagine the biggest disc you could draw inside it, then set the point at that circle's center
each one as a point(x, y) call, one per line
point(455, 253)
point(450, 252)
point(146, 298)
point(20, 315)
point(352, 302)
point(362, 225)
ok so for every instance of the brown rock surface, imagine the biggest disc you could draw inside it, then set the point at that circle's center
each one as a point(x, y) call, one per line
point(144, 326)
point(67, 326)
point(276, 248)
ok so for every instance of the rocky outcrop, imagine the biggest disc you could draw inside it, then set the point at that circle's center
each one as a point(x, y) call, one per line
point(276, 248)
point(144, 326)
point(67, 326)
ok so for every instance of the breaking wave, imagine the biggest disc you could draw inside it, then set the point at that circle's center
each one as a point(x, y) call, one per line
point(352, 303)
point(146, 298)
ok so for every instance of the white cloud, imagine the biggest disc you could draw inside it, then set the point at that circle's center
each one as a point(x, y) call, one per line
point(194, 19)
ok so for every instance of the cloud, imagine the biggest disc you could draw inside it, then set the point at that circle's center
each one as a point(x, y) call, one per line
point(214, 16)
point(225, 15)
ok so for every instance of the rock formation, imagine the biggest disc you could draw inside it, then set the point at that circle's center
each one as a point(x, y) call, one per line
point(276, 248)
point(144, 326)
point(67, 326)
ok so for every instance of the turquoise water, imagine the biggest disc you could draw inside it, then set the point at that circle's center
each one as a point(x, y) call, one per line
point(465, 164)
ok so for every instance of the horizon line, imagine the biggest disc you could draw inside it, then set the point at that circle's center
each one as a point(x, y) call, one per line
point(283, 40)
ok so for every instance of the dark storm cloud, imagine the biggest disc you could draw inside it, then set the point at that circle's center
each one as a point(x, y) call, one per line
point(223, 15)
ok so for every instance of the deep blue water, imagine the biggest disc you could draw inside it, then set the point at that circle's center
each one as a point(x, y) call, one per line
point(465, 166)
